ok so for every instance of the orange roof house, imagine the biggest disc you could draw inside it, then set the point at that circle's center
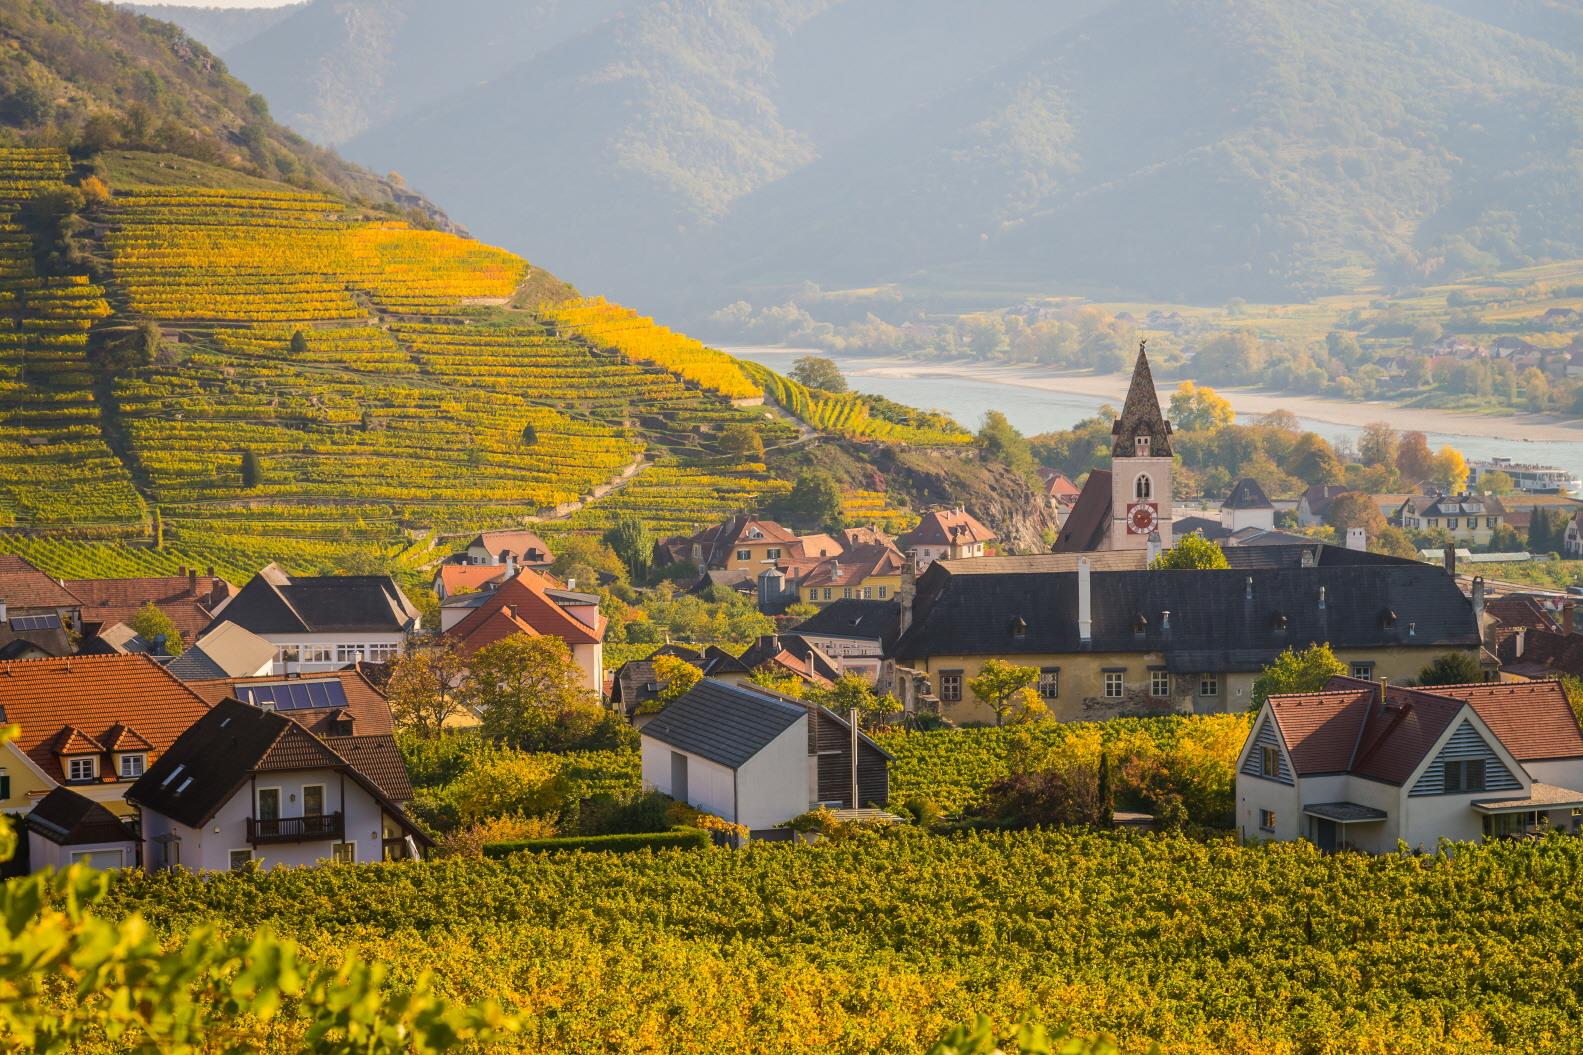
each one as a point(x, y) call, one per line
point(92, 722)
point(528, 604)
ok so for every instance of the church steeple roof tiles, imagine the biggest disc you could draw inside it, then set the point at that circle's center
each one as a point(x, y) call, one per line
point(1141, 416)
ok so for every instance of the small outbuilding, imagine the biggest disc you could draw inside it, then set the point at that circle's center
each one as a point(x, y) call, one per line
point(757, 758)
point(66, 828)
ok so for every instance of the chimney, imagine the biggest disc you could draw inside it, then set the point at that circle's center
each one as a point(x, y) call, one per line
point(511, 564)
point(906, 594)
point(1357, 539)
point(1085, 601)
point(1478, 603)
point(1384, 682)
point(1154, 545)
point(192, 581)
point(1450, 558)
point(1165, 621)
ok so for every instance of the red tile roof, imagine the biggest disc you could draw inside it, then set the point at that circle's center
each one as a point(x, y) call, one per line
point(1345, 730)
point(519, 544)
point(523, 605)
point(189, 600)
point(1532, 718)
point(1320, 728)
point(458, 578)
point(857, 565)
point(94, 695)
point(946, 527)
point(24, 586)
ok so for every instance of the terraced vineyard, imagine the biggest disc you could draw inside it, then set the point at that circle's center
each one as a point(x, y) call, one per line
point(55, 467)
point(336, 379)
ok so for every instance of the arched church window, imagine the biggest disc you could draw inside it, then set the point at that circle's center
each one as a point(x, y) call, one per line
point(1144, 488)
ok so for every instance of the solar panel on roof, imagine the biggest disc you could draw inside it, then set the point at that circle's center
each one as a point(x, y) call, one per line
point(36, 622)
point(295, 695)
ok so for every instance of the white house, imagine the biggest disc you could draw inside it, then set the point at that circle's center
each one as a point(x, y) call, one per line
point(66, 828)
point(322, 622)
point(530, 604)
point(945, 534)
point(757, 758)
point(1361, 766)
point(247, 785)
point(854, 633)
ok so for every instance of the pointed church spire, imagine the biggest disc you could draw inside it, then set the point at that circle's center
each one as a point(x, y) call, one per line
point(1141, 417)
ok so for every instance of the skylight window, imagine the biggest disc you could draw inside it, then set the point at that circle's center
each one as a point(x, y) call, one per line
point(173, 774)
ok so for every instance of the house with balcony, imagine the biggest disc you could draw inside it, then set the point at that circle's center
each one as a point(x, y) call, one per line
point(320, 623)
point(251, 786)
point(1364, 765)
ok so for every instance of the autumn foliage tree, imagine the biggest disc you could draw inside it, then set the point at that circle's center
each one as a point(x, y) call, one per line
point(528, 691)
point(426, 687)
point(1191, 553)
point(1009, 691)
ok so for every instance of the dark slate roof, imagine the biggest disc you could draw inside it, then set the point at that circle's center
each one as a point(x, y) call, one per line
point(724, 723)
point(771, 647)
point(1085, 526)
point(196, 665)
point(1213, 530)
point(68, 819)
point(211, 761)
point(1141, 416)
point(850, 617)
point(275, 603)
point(1226, 620)
point(1248, 495)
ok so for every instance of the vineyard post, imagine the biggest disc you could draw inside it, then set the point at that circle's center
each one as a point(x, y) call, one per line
point(852, 720)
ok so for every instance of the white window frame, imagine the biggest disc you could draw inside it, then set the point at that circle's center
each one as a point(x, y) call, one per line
point(773, 553)
point(1050, 683)
point(280, 803)
point(882, 592)
point(958, 680)
point(324, 801)
point(316, 654)
point(73, 761)
point(335, 848)
point(1143, 487)
point(122, 764)
point(230, 858)
point(286, 654)
point(350, 653)
point(1159, 683)
point(1269, 761)
point(744, 554)
point(1363, 671)
point(1266, 820)
point(382, 652)
point(1115, 684)
point(1209, 685)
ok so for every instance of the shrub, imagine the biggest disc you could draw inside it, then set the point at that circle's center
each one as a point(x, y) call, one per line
point(680, 839)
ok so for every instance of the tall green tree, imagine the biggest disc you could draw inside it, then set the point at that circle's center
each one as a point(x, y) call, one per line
point(1292, 671)
point(814, 501)
point(522, 687)
point(816, 371)
point(1453, 668)
point(629, 538)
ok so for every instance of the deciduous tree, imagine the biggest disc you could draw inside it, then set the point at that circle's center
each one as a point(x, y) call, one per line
point(816, 371)
point(1009, 691)
point(426, 687)
point(1413, 458)
point(1196, 409)
point(523, 686)
point(1191, 553)
point(1305, 671)
point(1450, 470)
point(1453, 668)
point(152, 623)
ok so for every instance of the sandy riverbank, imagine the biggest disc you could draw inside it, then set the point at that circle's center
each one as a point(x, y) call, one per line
point(1248, 403)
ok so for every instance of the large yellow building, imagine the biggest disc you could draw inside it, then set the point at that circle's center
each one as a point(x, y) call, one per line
point(1120, 642)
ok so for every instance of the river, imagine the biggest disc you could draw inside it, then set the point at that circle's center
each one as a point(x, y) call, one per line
point(1034, 408)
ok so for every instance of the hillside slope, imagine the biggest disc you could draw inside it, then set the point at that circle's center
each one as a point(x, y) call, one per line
point(220, 28)
point(1170, 149)
point(92, 75)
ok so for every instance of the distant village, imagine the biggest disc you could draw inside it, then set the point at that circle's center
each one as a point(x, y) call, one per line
point(270, 739)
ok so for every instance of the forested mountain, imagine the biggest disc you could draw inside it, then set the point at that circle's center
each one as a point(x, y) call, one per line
point(220, 28)
point(85, 73)
point(683, 153)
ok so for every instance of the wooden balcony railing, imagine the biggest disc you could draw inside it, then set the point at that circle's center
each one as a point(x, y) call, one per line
point(295, 829)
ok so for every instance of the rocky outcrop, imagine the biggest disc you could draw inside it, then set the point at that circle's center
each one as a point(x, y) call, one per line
point(990, 490)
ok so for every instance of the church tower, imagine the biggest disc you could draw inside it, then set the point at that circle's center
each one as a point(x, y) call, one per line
point(1140, 483)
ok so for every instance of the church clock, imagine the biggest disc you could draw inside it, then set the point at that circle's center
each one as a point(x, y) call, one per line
point(1142, 518)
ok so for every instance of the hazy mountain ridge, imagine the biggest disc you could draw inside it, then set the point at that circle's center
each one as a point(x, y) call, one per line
point(681, 154)
point(220, 28)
